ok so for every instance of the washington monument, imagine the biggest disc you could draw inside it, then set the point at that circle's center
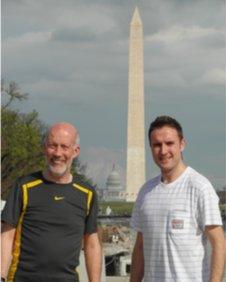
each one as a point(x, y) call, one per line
point(135, 177)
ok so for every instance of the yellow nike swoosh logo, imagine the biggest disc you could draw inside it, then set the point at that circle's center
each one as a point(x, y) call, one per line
point(58, 198)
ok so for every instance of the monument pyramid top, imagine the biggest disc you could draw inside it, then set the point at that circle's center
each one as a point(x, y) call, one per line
point(136, 20)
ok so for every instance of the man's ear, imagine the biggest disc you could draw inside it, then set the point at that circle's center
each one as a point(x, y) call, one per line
point(76, 151)
point(183, 144)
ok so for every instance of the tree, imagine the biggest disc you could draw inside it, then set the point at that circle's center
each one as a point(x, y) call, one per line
point(12, 92)
point(21, 139)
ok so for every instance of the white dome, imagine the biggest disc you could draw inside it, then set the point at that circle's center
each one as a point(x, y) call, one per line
point(113, 180)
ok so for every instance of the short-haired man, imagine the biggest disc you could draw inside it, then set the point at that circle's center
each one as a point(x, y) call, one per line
point(174, 214)
point(46, 217)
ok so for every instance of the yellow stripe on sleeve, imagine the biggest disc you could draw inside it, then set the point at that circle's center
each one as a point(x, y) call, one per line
point(89, 195)
point(34, 183)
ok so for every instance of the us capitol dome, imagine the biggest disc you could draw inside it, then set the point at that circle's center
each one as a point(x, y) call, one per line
point(114, 190)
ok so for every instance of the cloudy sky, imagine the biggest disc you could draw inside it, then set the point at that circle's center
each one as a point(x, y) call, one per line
point(72, 58)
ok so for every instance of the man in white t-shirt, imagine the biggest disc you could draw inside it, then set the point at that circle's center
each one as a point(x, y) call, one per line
point(174, 215)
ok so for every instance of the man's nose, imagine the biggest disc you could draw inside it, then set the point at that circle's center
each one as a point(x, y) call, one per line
point(163, 149)
point(58, 151)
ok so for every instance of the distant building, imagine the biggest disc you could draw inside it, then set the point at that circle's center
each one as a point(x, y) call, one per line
point(114, 190)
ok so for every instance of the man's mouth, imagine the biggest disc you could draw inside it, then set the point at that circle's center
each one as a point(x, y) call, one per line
point(165, 159)
point(57, 162)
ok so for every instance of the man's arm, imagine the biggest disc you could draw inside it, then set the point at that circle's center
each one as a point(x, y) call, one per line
point(137, 270)
point(215, 235)
point(7, 239)
point(93, 257)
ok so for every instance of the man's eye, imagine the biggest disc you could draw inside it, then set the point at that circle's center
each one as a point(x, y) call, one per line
point(169, 143)
point(51, 146)
point(64, 147)
point(156, 145)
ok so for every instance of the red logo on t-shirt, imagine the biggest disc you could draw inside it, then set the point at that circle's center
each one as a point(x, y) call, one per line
point(177, 223)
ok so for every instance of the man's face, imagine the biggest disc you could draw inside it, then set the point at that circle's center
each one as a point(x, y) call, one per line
point(60, 150)
point(166, 146)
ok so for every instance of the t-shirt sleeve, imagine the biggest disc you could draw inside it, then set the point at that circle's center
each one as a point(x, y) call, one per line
point(91, 219)
point(13, 207)
point(135, 221)
point(208, 208)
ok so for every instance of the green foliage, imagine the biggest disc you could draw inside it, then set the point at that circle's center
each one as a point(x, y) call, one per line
point(21, 140)
point(223, 207)
point(21, 146)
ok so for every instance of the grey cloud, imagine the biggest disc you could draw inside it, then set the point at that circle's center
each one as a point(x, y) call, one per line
point(214, 41)
point(86, 34)
point(80, 35)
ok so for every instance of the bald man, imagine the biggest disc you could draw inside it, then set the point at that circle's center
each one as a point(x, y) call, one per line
point(46, 217)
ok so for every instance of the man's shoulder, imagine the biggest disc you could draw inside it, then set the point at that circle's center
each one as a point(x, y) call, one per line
point(80, 182)
point(31, 179)
point(198, 180)
point(149, 185)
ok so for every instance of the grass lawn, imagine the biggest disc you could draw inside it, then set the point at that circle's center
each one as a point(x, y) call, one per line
point(118, 208)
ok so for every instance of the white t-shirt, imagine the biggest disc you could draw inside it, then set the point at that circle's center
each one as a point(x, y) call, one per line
point(172, 218)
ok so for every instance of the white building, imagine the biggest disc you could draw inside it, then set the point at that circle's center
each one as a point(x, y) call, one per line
point(114, 190)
